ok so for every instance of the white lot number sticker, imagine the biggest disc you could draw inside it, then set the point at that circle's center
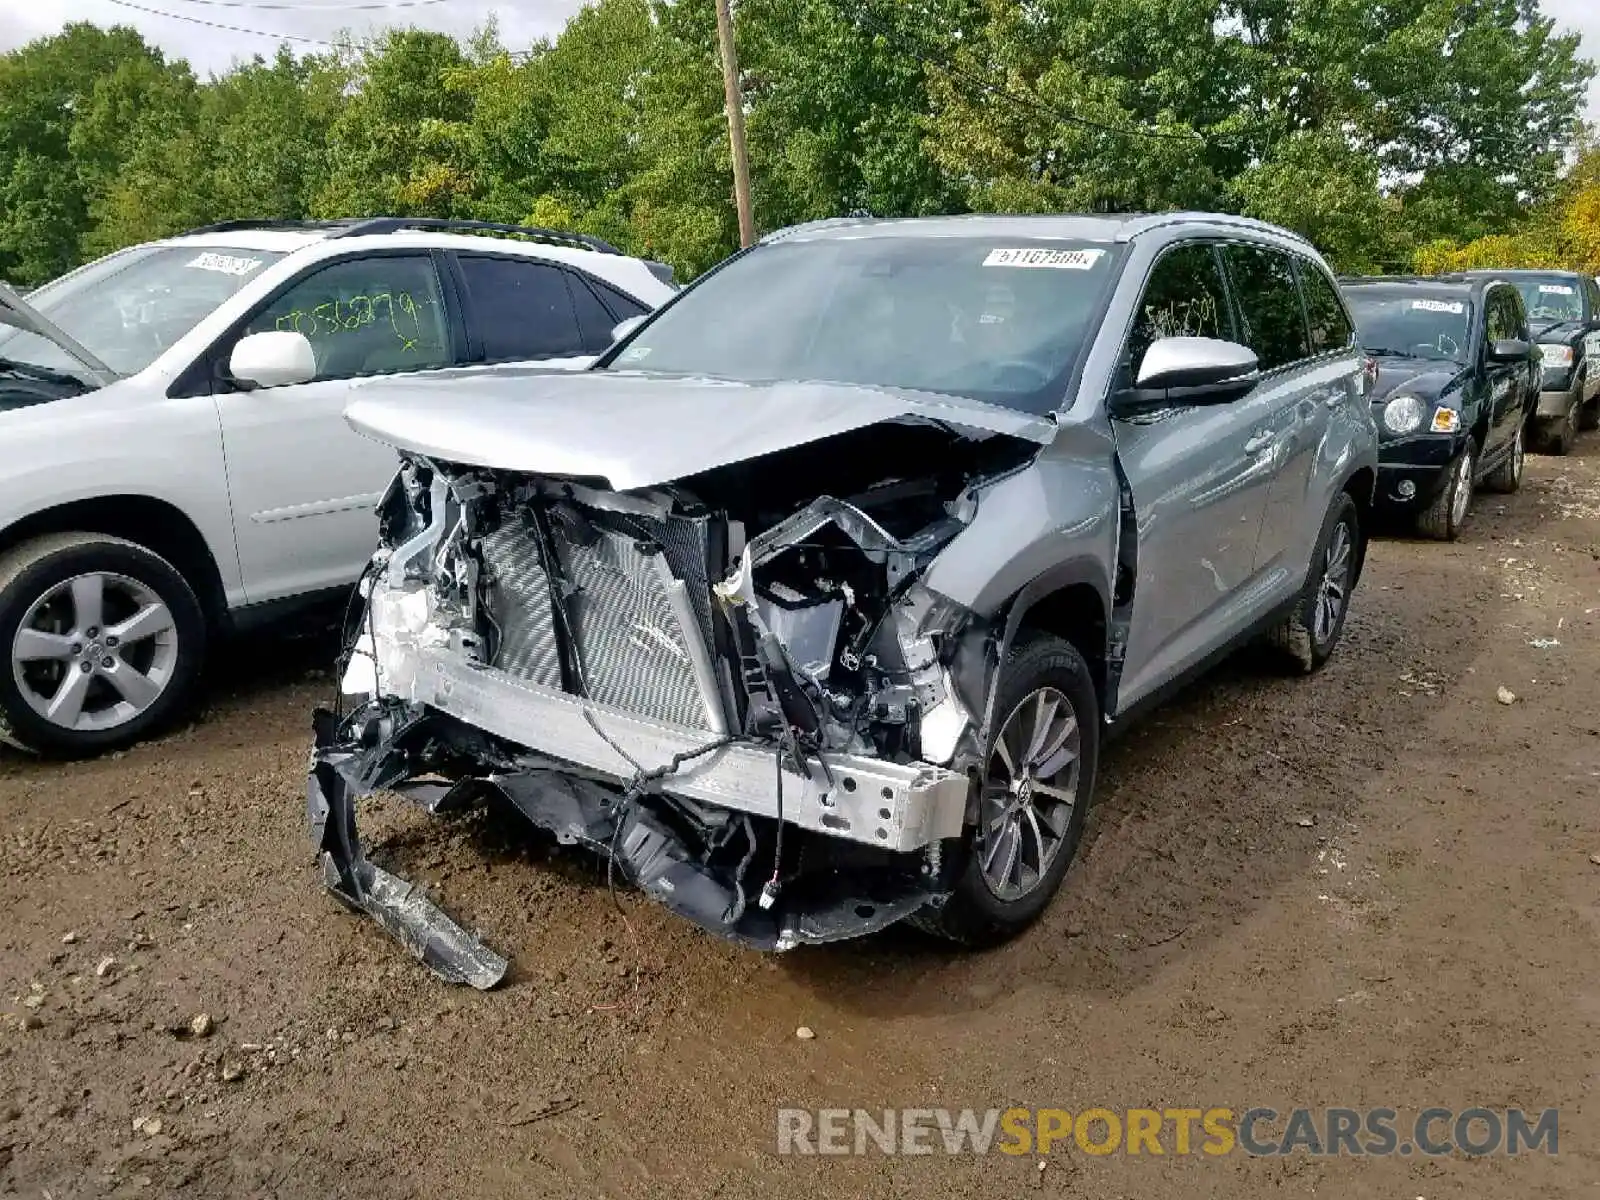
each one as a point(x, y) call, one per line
point(1061, 260)
point(228, 264)
point(1453, 307)
point(1557, 289)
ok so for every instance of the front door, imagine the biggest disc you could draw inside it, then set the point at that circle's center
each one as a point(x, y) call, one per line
point(303, 484)
point(1199, 478)
point(1507, 384)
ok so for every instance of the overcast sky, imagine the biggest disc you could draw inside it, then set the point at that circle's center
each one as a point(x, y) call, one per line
point(521, 21)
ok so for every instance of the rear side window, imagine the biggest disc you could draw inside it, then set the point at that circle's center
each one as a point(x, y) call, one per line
point(1269, 304)
point(1184, 298)
point(521, 309)
point(1330, 327)
point(594, 320)
point(622, 306)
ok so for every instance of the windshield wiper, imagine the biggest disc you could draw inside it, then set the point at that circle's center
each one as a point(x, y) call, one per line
point(43, 374)
point(1385, 352)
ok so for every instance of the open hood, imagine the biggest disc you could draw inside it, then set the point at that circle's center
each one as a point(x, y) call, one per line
point(18, 313)
point(637, 431)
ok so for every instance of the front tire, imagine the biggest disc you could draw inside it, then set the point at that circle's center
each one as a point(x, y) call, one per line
point(1558, 434)
point(1507, 477)
point(102, 643)
point(1034, 795)
point(1444, 518)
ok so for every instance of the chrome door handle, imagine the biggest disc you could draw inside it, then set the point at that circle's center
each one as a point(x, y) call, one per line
point(1333, 399)
point(1258, 443)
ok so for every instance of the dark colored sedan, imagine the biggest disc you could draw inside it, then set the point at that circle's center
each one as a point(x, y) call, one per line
point(1458, 378)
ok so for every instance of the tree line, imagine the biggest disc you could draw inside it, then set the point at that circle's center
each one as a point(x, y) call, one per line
point(1392, 133)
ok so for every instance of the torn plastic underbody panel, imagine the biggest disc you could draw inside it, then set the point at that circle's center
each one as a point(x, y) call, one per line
point(771, 736)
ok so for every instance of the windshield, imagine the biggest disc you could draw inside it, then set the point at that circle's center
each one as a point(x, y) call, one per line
point(999, 322)
point(1552, 299)
point(130, 307)
point(1405, 323)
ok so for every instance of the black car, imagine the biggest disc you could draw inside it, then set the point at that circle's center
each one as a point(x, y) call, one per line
point(1458, 378)
point(1564, 315)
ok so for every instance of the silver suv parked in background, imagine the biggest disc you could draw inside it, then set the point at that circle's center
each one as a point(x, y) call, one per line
point(811, 603)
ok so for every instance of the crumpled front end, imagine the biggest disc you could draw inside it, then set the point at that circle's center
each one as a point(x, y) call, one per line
point(743, 696)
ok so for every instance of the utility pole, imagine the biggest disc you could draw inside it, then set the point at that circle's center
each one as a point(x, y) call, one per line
point(733, 98)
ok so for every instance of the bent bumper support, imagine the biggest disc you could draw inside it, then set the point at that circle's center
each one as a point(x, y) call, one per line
point(342, 770)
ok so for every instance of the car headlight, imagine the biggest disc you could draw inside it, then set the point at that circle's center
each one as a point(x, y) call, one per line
point(1556, 356)
point(1403, 414)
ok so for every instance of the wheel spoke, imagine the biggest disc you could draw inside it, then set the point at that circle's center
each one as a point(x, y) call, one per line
point(1014, 852)
point(88, 602)
point(35, 645)
point(66, 706)
point(1043, 761)
point(994, 846)
point(1004, 752)
point(137, 689)
point(1056, 793)
point(147, 622)
point(1044, 715)
point(1042, 858)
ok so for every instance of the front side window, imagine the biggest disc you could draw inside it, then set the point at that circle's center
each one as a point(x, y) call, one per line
point(1184, 298)
point(1504, 319)
point(1407, 322)
point(998, 319)
point(1269, 304)
point(130, 308)
point(1329, 324)
point(522, 309)
point(365, 316)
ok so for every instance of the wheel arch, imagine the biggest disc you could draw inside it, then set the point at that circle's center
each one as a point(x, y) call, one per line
point(1072, 602)
point(157, 525)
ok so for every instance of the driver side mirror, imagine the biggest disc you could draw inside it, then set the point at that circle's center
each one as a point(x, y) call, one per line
point(1190, 370)
point(272, 359)
point(1509, 350)
point(624, 327)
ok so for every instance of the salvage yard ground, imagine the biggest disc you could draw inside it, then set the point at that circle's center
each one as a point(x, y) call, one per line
point(1374, 888)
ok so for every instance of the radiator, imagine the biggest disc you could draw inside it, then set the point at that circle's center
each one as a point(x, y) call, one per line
point(635, 626)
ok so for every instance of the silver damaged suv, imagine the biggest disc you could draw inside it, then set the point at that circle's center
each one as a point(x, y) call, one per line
point(810, 605)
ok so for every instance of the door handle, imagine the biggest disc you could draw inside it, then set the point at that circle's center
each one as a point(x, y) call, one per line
point(1333, 399)
point(1258, 443)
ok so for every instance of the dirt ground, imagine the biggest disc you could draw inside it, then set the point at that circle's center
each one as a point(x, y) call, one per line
point(1371, 888)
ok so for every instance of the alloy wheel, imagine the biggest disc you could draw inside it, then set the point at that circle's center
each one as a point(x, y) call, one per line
point(1029, 793)
point(94, 652)
point(1333, 591)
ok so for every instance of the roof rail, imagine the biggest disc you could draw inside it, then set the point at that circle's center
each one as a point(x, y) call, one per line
point(560, 237)
point(359, 226)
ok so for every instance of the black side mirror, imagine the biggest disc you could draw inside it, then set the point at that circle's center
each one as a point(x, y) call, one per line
point(1509, 350)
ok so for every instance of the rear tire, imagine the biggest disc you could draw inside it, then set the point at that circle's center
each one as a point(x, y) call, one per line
point(1306, 639)
point(1023, 812)
point(1445, 516)
point(101, 643)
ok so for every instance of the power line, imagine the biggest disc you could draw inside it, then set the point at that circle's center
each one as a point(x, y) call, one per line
point(281, 37)
point(314, 8)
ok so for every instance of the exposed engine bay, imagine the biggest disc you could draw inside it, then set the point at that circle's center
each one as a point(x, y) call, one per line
point(737, 690)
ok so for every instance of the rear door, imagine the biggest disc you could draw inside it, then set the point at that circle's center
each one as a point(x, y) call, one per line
point(1199, 477)
point(1309, 371)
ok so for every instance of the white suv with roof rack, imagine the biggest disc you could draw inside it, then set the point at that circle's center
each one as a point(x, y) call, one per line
point(173, 459)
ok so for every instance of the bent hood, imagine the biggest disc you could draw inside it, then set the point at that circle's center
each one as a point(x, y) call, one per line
point(19, 314)
point(636, 430)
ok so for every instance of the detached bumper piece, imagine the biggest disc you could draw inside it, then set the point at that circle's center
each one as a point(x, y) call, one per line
point(341, 771)
point(702, 862)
